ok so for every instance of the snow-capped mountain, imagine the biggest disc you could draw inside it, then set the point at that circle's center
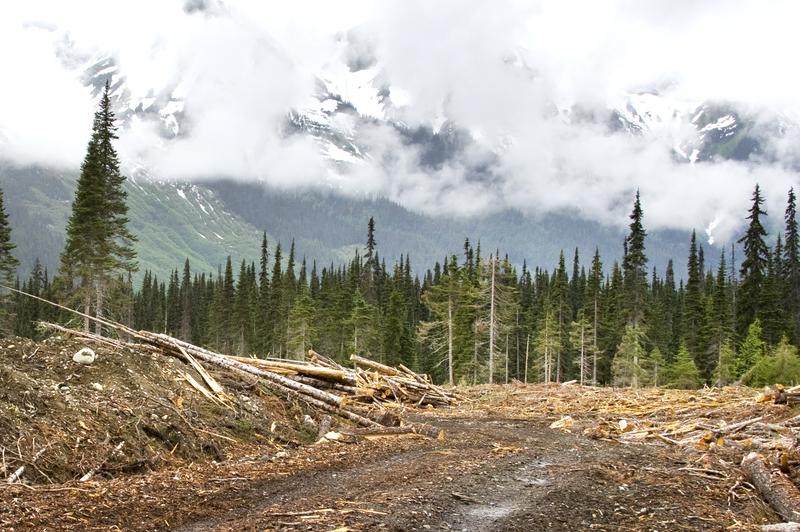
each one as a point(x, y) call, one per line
point(350, 96)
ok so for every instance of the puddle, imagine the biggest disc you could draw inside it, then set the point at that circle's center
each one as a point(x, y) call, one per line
point(489, 514)
point(528, 477)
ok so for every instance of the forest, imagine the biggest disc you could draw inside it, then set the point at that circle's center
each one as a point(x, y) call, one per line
point(476, 318)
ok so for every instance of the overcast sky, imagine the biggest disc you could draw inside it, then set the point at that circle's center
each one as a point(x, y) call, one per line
point(495, 68)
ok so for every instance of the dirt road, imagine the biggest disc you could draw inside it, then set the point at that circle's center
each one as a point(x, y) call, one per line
point(488, 474)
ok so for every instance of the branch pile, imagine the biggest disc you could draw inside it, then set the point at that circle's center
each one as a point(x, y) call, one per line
point(717, 428)
point(356, 394)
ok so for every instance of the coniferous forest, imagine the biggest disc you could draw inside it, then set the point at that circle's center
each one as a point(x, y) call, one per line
point(476, 318)
point(471, 318)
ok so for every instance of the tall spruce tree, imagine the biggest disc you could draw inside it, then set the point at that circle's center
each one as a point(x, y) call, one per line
point(791, 268)
point(635, 267)
point(98, 243)
point(694, 306)
point(754, 266)
point(8, 270)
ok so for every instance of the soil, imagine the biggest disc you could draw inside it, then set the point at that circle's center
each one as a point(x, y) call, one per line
point(493, 470)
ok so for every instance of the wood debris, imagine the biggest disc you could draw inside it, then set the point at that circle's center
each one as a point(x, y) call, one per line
point(356, 394)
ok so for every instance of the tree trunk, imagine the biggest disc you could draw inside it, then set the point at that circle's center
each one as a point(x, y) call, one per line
point(491, 327)
point(774, 487)
point(450, 341)
point(87, 310)
point(594, 345)
point(506, 358)
point(475, 356)
point(583, 361)
point(527, 351)
point(99, 302)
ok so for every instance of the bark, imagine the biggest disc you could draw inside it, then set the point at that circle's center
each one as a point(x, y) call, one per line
point(375, 366)
point(491, 328)
point(773, 486)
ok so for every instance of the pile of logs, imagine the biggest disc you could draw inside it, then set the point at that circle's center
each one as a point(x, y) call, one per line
point(356, 394)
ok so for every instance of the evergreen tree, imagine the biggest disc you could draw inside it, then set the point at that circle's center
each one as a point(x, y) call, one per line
point(751, 351)
point(8, 270)
point(725, 372)
point(364, 327)
point(781, 366)
point(277, 307)
point(657, 367)
point(98, 242)
point(301, 325)
point(635, 267)
point(186, 303)
point(397, 336)
point(683, 373)
point(754, 266)
point(721, 325)
point(694, 307)
point(263, 315)
point(771, 311)
point(593, 307)
point(627, 367)
point(791, 268)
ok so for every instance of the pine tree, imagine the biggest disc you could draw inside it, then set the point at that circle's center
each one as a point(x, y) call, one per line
point(771, 311)
point(725, 372)
point(8, 270)
point(657, 367)
point(754, 266)
point(694, 307)
point(780, 366)
point(635, 267)
point(593, 307)
point(720, 324)
point(98, 242)
point(301, 325)
point(363, 323)
point(397, 336)
point(751, 351)
point(263, 315)
point(186, 303)
point(627, 367)
point(683, 373)
point(277, 307)
point(791, 268)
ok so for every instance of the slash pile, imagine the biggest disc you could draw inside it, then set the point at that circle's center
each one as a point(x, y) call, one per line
point(359, 394)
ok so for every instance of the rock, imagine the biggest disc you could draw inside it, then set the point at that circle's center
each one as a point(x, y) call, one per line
point(97, 386)
point(84, 356)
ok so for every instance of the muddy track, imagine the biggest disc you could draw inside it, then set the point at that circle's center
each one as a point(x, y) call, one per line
point(489, 474)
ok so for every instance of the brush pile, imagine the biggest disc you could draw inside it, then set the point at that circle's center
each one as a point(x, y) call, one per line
point(359, 394)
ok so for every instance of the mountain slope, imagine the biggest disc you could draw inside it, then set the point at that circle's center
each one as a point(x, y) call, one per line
point(329, 227)
point(172, 222)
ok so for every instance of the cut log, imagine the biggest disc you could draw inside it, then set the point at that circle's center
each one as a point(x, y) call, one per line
point(773, 486)
point(162, 340)
point(376, 366)
point(300, 368)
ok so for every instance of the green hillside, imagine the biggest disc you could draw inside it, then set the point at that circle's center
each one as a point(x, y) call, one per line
point(172, 222)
